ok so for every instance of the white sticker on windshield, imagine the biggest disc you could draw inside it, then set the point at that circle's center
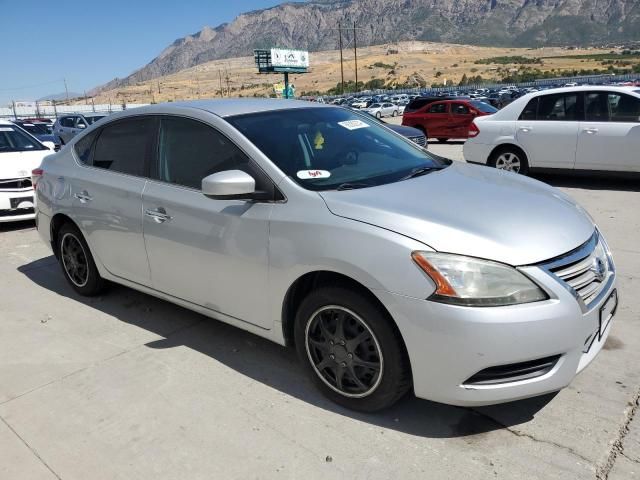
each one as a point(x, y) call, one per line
point(6, 129)
point(353, 124)
point(310, 174)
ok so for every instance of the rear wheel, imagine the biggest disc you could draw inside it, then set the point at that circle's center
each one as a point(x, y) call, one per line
point(510, 159)
point(378, 115)
point(395, 113)
point(77, 262)
point(351, 350)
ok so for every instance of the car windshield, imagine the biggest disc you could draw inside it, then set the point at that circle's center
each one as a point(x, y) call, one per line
point(93, 118)
point(484, 107)
point(35, 128)
point(13, 139)
point(334, 148)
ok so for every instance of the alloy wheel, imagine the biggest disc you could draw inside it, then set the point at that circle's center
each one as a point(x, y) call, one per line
point(508, 161)
point(74, 260)
point(343, 351)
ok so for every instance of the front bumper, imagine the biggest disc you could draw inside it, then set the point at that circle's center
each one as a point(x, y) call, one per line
point(16, 205)
point(448, 344)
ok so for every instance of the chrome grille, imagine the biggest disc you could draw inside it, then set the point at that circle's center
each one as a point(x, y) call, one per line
point(584, 271)
point(421, 140)
point(15, 183)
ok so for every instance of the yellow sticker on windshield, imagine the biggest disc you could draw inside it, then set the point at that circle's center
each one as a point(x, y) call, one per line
point(318, 141)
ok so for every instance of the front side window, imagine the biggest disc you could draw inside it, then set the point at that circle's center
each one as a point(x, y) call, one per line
point(13, 139)
point(68, 122)
point(438, 108)
point(558, 107)
point(125, 146)
point(459, 109)
point(189, 151)
point(624, 108)
point(333, 148)
point(596, 108)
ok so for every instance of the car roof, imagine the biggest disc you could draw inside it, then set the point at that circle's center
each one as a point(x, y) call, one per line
point(227, 107)
point(6, 122)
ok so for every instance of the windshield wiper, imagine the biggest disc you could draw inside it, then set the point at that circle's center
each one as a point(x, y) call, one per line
point(418, 172)
point(352, 186)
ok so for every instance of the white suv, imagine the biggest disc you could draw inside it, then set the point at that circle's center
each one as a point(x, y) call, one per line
point(583, 128)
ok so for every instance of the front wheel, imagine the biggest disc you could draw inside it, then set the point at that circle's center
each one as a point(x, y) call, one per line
point(351, 350)
point(378, 115)
point(511, 160)
point(395, 113)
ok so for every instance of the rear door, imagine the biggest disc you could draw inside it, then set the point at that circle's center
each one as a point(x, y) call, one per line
point(609, 137)
point(436, 120)
point(550, 135)
point(107, 194)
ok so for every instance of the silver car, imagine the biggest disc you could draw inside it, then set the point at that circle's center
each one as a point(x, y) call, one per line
point(387, 267)
point(68, 126)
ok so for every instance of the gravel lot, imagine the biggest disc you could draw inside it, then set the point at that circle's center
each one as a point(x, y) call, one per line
point(127, 386)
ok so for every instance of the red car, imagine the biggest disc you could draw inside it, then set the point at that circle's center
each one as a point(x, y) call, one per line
point(446, 119)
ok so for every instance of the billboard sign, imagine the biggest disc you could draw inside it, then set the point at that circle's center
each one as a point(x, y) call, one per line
point(289, 58)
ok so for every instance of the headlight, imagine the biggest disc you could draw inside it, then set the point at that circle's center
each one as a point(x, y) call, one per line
point(473, 282)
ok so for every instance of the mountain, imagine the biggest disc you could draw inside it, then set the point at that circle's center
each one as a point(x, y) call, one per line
point(312, 25)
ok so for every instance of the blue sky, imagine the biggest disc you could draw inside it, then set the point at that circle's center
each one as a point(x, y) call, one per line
point(90, 42)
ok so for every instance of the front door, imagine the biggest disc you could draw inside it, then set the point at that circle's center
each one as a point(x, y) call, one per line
point(609, 138)
point(206, 251)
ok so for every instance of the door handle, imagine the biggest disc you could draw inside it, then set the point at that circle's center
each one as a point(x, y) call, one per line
point(83, 196)
point(525, 129)
point(159, 216)
point(590, 131)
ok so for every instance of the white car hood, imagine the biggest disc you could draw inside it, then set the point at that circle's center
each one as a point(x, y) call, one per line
point(472, 210)
point(20, 164)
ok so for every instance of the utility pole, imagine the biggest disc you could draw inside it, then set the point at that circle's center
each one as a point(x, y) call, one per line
point(66, 90)
point(220, 75)
point(341, 67)
point(15, 115)
point(355, 53)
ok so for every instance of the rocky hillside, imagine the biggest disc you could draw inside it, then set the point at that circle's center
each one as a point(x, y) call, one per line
point(313, 25)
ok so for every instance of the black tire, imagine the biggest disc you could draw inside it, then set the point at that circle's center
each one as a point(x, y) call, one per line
point(77, 262)
point(443, 140)
point(378, 115)
point(395, 113)
point(499, 160)
point(361, 386)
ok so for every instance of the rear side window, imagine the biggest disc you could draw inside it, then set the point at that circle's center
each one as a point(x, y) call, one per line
point(529, 112)
point(595, 107)
point(189, 151)
point(125, 146)
point(438, 108)
point(83, 147)
point(558, 107)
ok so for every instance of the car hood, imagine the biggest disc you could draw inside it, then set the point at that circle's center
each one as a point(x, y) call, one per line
point(20, 164)
point(472, 210)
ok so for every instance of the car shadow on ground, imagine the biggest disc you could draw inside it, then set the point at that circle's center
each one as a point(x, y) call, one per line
point(591, 182)
point(21, 225)
point(433, 141)
point(277, 366)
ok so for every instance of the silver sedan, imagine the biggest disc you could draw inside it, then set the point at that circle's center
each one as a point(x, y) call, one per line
point(387, 267)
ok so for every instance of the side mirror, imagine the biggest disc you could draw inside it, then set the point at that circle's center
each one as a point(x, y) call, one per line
point(49, 145)
point(229, 184)
point(82, 126)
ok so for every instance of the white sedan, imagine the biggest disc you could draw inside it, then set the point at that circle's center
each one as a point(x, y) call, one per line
point(577, 128)
point(20, 153)
point(380, 110)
